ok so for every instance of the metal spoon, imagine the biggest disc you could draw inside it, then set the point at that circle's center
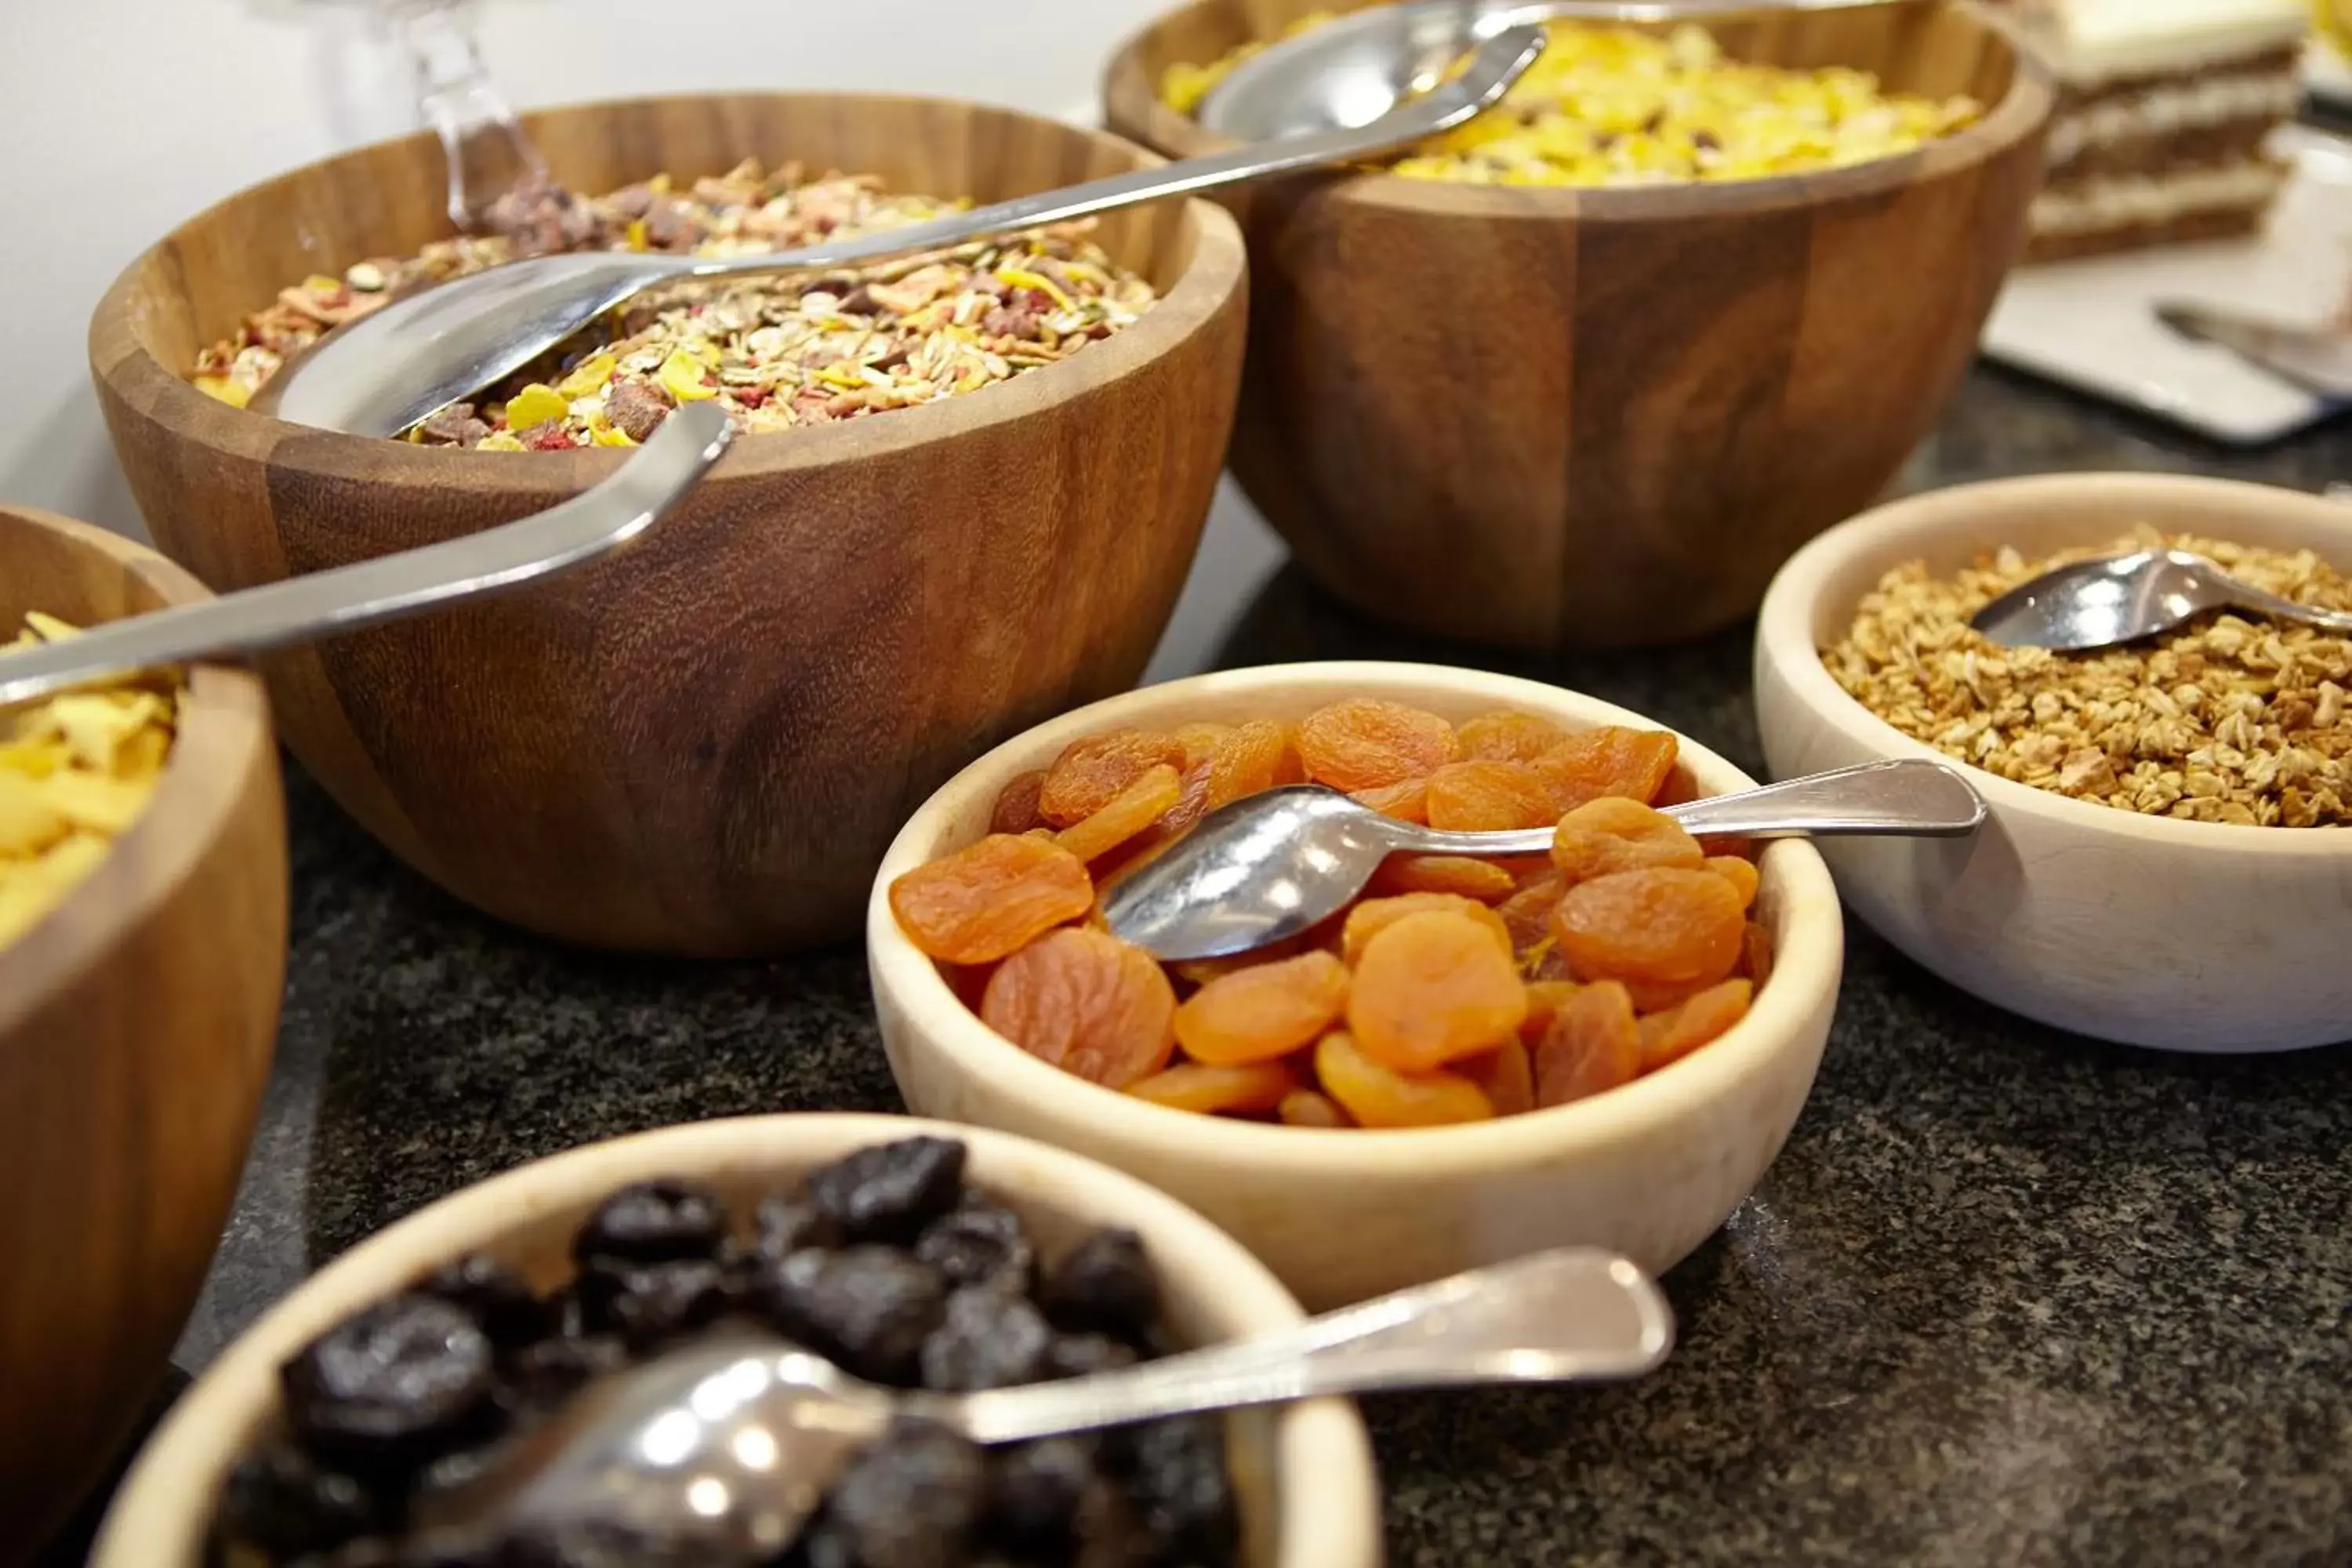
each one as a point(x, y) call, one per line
point(381, 372)
point(1271, 866)
point(1360, 67)
point(346, 599)
point(2316, 358)
point(2121, 598)
point(731, 1443)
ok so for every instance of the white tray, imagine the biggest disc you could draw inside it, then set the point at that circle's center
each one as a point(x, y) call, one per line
point(2091, 325)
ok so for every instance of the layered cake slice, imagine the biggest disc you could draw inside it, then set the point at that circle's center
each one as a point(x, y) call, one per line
point(2164, 109)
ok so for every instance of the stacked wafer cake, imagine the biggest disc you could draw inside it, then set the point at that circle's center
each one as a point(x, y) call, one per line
point(2165, 107)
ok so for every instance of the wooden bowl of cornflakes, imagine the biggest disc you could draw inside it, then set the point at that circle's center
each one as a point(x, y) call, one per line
point(702, 746)
point(143, 950)
point(1538, 416)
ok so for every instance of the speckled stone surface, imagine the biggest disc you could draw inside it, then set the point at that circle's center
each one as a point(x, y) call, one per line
point(2009, 1297)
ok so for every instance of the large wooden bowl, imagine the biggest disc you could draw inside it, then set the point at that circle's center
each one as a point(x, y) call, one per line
point(1547, 417)
point(704, 745)
point(136, 1026)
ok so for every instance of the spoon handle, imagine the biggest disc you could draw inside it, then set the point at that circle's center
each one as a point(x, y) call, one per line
point(1575, 1315)
point(2245, 596)
point(349, 597)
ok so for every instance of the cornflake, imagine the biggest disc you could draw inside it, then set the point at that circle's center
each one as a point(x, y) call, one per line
point(2226, 720)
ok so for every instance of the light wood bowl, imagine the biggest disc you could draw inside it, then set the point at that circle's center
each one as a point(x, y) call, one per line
point(2186, 936)
point(703, 745)
point(1304, 1472)
point(1547, 417)
point(137, 1022)
point(1651, 1169)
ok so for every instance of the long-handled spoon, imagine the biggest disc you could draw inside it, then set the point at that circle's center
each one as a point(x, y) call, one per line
point(2318, 358)
point(729, 1443)
point(1270, 866)
point(2121, 598)
point(322, 604)
point(381, 372)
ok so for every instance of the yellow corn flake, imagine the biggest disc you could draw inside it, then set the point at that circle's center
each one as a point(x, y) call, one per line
point(682, 374)
point(588, 375)
point(636, 233)
point(29, 821)
point(47, 628)
point(498, 441)
point(606, 434)
point(235, 394)
point(1019, 278)
point(536, 405)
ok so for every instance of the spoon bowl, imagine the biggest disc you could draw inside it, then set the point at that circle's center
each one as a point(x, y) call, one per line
point(2117, 599)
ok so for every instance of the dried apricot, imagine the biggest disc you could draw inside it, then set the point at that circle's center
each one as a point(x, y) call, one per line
point(1191, 1086)
point(1664, 924)
point(1526, 914)
point(1253, 759)
point(1433, 988)
point(1672, 1035)
point(1544, 961)
point(1200, 741)
point(1504, 1076)
point(1594, 1045)
point(1131, 811)
point(1480, 880)
point(1305, 1107)
point(1201, 971)
point(1755, 951)
point(1366, 743)
point(1545, 998)
point(1088, 1003)
point(1407, 802)
point(1090, 772)
point(985, 901)
point(1612, 834)
point(1376, 1095)
point(1265, 1011)
point(1610, 761)
point(1191, 802)
point(1489, 798)
point(1016, 805)
point(1509, 737)
point(1373, 916)
point(1743, 875)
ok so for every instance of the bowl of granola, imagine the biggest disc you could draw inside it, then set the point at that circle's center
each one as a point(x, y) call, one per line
point(1586, 371)
point(967, 492)
point(2166, 856)
point(142, 951)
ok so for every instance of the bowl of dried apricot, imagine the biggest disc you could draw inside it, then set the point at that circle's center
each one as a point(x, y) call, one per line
point(1604, 1045)
point(916, 1256)
point(2168, 853)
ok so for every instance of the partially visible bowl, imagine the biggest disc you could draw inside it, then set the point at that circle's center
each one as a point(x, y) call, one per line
point(1543, 416)
point(703, 745)
point(137, 1021)
point(2186, 936)
point(1649, 1170)
point(1303, 1472)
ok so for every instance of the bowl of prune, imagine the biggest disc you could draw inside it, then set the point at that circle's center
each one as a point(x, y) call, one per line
point(912, 1254)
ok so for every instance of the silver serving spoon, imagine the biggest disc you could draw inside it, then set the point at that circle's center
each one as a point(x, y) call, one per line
point(346, 599)
point(2316, 358)
point(1360, 67)
point(731, 1441)
point(381, 372)
point(2121, 598)
point(1271, 866)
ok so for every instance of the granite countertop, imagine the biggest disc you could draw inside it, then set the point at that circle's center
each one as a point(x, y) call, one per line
point(2009, 1296)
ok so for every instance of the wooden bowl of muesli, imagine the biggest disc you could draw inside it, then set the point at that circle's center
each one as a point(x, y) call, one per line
point(1538, 416)
point(704, 746)
point(2085, 903)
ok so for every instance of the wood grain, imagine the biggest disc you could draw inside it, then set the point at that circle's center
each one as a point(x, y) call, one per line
point(136, 1026)
point(704, 745)
point(1555, 417)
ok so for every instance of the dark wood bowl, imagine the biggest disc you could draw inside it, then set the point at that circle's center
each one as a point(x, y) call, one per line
point(704, 745)
point(1544, 418)
point(137, 1021)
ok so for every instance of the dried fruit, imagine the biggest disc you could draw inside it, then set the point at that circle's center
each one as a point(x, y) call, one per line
point(1594, 1045)
point(1200, 741)
point(1088, 1003)
point(1374, 1094)
point(1265, 1011)
point(1365, 743)
point(1509, 737)
point(1305, 1107)
point(1743, 875)
point(1103, 1285)
point(1489, 798)
point(1407, 802)
point(1614, 834)
point(1258, 756)
point(1092, 771)
point(1130, 812)
point(889, 1192)
point(1544, 999)
point(1434, 987)
point(1670, 1036)
point(1373, 916)
point(390, 1382)
point(1671, 926)
point(654, 1222)
point(1526, 914)
point(1610, 761)
point(1016, 805)
point(1191, 802)
point(1208, 1089)
point(984, 901)
point(1201, 971)
point(1458, 874)
point(1505, 1076)
point(1755, 951)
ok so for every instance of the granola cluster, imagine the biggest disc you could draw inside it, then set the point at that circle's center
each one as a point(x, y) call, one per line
point(775, 353)
point(2227, 720)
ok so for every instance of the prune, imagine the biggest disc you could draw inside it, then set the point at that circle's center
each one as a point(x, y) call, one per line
point(1374, 1094)
point(1434, 987)
point(981, 1244)
point(784, 1225)
point(389, 1381)
point(606, 1544)
point(987, 1339)
point(1109, 1533)
point(648, 1303)
point(1209, 1090)
point(1084, 1354)
point(1267, 1010)
point(1180, 1486)
point(991, 899)
point(542, 1375)
point(891, 1191)
point(1035, 1489)
point(867, 1308)
point(1106, 1284)
point(498, 1299)
point(280, 1499)
point(911, 1501)
point(654, 1222)
point(1088, 1004)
